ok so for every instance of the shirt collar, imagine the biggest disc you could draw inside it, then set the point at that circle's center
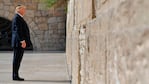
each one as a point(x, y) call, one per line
point(20, 14)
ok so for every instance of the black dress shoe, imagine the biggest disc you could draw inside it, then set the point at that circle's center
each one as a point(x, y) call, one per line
point(18, 79)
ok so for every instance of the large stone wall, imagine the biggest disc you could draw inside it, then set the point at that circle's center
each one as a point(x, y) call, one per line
point(108, 41)
point(47, 26)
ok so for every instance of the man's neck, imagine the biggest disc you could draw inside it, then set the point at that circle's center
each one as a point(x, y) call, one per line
point(20, 14)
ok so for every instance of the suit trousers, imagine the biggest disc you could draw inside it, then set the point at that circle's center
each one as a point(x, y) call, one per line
point(17, 58)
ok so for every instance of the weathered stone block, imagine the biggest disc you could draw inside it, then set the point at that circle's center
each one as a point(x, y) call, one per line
point(61, 19)
point(50, 32)
point(38, 14)
point(54, 26)
point(29, 20)
point(6, 13)
point(6, 8)
point(43, 26)
point(7, 2)
point(42, 6)
point(1, 6)
point(52, 20)
point(45, 13)
point(30, 13)
point(61, 25)
point(39, 32)
point(33, 26)
point(12, 9)
point(2, 12)
point(61, 31)
point(40, 20)
point(46, 35)
point(10, 17)
point(30, 6)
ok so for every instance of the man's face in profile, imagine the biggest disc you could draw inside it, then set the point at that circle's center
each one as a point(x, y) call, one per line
point(22, 10)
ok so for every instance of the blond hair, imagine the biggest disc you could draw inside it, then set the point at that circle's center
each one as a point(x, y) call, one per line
point(19, 7)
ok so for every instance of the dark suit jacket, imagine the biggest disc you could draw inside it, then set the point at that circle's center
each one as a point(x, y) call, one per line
point(20, 32)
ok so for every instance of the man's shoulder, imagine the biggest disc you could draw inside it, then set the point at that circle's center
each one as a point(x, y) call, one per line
point(16, 17)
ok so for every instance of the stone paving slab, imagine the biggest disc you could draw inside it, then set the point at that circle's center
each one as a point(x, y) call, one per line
point(36, 68)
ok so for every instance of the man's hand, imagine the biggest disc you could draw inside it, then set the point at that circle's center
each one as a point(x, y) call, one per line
point(23, 44)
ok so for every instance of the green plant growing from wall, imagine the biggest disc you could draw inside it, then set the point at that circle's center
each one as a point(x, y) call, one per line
point(50, 3)
point(56, 3)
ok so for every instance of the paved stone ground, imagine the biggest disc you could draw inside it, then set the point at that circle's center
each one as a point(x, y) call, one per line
point(36, 68)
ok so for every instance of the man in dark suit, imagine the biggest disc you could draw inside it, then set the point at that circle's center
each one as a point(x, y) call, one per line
point(20, 40)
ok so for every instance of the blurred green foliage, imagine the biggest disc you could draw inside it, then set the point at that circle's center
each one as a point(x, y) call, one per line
point(56, 3)
point(50, 3)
